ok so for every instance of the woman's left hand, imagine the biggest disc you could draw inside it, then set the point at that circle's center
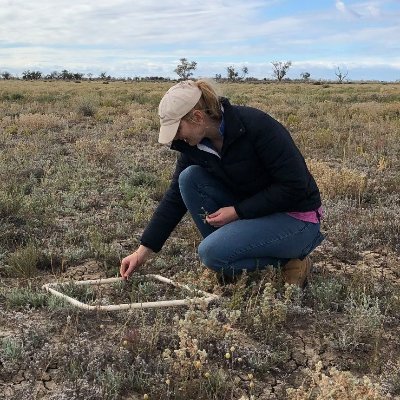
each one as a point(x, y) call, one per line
point(222, 217)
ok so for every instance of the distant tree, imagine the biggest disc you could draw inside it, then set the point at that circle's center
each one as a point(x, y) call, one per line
point(218, 77)
point(31, 75)
point(104, 76)
point(280, 68)
point(66, 75)
point(36, 74)
point(155, 78)
point(6, 75)
point(305, 76)
point(53, 75)
point(184, 68)
point(89, 74)
point(231, 73)
point(77, 76)
point(245, 71)
point(341, 75)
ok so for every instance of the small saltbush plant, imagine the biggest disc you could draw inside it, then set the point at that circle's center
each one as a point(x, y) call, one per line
point(265, 308)
point(25, 297)
point(363, 324)
point(327, 294)
point(11, 349)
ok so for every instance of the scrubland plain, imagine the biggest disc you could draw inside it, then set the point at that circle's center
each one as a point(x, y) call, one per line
point(80, 174)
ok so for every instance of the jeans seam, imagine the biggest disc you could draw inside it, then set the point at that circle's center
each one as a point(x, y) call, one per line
point(237, 253)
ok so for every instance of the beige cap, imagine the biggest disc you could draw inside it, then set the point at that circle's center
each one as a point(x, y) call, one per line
point(175, 104)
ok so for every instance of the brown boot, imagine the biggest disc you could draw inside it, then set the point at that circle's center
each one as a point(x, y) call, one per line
point(296, 271)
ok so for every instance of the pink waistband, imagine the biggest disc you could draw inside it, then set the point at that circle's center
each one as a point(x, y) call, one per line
point(308, 216)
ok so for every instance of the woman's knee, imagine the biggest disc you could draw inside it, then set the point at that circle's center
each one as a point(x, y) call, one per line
point(189, 175)
point(208, 254)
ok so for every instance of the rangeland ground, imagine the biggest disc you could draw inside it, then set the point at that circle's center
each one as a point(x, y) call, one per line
point(81, 173)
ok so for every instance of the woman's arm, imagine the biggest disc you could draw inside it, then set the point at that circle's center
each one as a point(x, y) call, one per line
point(168, 213)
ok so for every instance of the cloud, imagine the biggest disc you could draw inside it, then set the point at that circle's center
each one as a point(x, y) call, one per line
point(123, 22)
point(349, 63)
point(363, 9)
point(340, 6)
point(373, 10)
point(148, 37)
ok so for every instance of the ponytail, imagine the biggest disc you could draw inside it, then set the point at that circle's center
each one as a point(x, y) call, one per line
point(209, 100)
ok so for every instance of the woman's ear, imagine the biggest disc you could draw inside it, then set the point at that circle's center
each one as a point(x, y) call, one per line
point(198, 116)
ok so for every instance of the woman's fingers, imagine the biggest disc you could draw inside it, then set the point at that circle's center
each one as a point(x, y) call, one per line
point(222, 216)
point(214, 214)
point(124, 267)
point(131, 268)
point(128, 265)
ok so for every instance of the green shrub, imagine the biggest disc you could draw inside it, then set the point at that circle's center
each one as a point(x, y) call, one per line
point(25, 297)
point(327, 293)
point(23, 262)
point(82, 293)
point(11, 349)
point(10, 204)
point(363, 323)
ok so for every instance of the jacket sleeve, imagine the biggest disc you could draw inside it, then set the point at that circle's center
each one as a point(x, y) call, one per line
point(168, 213)
point(290, 178)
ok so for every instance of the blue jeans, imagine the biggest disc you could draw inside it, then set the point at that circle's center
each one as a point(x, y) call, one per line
point(248, 244)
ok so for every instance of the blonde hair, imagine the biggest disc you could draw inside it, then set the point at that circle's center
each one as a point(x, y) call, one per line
point(209, 101)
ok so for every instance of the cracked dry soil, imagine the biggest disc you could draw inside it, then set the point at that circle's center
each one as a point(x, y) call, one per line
point(309, 335)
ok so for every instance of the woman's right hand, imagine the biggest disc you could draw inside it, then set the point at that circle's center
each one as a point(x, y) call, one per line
point(134, 260)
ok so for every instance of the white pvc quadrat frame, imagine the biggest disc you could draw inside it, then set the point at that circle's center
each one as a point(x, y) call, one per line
point(204, 296)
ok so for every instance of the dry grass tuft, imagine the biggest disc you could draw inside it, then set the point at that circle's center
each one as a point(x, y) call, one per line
point(30, 123)
point(339, 182)
point(23, 261)
point(98, 151)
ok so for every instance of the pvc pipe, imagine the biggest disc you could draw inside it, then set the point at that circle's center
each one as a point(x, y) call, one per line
point(206, 297)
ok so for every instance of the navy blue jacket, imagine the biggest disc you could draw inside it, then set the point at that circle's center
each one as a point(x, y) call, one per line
point(259, 162)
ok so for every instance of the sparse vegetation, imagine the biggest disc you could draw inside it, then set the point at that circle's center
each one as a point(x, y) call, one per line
point(80, 175)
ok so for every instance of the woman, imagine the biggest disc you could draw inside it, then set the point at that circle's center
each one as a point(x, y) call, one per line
point(244, 182)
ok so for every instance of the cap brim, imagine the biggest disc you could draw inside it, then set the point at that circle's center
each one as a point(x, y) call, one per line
point(168, 132)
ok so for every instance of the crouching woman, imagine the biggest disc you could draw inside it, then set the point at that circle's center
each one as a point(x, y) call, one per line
point(244, 182)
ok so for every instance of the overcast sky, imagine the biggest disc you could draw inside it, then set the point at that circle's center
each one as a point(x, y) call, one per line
point(148, 37)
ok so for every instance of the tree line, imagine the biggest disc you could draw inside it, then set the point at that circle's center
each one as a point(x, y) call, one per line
point(184, 70)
